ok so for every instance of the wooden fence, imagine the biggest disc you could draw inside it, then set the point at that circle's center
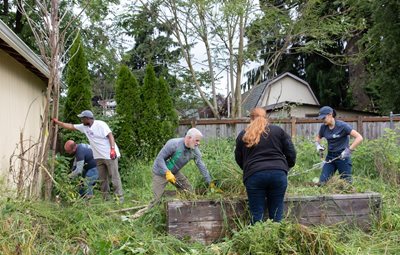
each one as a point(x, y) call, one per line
point(369, 127)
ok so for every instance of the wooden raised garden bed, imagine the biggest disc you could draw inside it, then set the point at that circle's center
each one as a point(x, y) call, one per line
point(207, 221)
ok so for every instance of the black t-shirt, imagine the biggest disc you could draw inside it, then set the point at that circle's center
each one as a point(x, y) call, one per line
point(275, 151)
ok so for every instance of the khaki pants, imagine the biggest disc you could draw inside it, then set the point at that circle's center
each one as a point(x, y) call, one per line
point(159, 183)
point(108, 169)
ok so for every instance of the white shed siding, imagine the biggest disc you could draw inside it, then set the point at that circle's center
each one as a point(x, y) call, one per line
point(288, 90)
point(22, 101)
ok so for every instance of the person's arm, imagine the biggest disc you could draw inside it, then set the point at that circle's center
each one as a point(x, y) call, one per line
point(64, 125)
point(357, 139)
point(289, 151)
point(111, 140)
point(238, 150)
point(317, 139)
point(318, 146)
point(163, 155)
point(78, 168)
point(201, 166)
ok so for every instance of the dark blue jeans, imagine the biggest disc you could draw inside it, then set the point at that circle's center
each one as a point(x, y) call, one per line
point(329, 169)
point(91, 177)
point(270, 184)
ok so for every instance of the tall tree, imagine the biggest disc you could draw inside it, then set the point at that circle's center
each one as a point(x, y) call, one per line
point(127, 95)
point(168, 116)
point(79, 92)
point(44, 19)
point(149, 124)
point(310, 43)
point(383, 47)
point(199, 23)
point(153, 40)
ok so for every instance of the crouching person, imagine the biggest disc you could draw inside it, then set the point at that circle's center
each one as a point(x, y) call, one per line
point(175, 154)
point(84, 165)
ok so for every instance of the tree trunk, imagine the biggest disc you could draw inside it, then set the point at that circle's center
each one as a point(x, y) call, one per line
point(5, 8)
point(358, 77)
point(54, 82)
point(237, 111)
point(18, 19)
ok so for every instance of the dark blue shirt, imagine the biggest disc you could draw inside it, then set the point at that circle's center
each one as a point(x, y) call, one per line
point(338, 137)
point(84, 152)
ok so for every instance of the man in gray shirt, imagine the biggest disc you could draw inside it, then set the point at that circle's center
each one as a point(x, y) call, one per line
point(175, 154)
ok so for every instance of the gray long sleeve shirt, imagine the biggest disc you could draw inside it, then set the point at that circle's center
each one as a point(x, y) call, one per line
point(175, 155)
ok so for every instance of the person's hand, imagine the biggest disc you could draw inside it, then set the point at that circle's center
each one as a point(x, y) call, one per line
point(72, 175)
point(319, 147)
point(113, 154)
point(170, 177)
point(55, 120)
point(214, 187)
point(345, 154)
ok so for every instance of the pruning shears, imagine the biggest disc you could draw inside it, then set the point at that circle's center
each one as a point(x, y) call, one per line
point(316, 166)
point(180, 186)
point(321, 164)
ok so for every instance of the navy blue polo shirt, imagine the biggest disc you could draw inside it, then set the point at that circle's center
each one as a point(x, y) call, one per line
point(84, 152)
point(338, 137)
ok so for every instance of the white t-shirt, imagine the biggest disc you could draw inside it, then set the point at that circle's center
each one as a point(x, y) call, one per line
point(97, 135)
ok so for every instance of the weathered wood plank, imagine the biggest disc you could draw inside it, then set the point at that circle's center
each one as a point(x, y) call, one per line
point(360, 221)
point(206, 210)
point(206, 221)
point(204, 232)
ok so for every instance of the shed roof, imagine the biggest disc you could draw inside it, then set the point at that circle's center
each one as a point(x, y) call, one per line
point(252, 97)
point(16, 48)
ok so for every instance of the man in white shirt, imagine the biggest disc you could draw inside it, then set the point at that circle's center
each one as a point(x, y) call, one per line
point(105, 150)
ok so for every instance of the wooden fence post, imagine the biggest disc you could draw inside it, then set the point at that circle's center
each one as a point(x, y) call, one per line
point(360, 125)
point(193, 123)
point(293, 127)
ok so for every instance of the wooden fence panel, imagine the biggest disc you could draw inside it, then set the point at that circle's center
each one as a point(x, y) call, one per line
point(369, 127)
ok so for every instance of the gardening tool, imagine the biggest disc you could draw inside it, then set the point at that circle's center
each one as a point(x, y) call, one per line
point(180, 186)
point(321, 164)
point(142, 211)
point(316, 166)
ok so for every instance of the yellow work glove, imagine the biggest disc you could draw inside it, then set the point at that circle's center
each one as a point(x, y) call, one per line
point(214, 188)
point(170, 177)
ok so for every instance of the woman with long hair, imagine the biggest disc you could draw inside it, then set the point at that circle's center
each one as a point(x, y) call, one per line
point(265, 153)
point(337, 133)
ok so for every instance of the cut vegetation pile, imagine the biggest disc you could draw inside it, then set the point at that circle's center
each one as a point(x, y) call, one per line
point(73, 226)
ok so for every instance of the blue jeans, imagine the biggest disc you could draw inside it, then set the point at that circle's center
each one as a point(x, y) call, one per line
point(270, 184)
point(91, 177)
point(329, 169)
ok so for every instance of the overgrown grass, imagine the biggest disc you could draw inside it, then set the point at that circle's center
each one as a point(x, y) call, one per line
point(74, 226)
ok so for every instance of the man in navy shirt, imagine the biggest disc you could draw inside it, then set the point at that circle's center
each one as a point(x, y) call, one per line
point(337, 133)
point(84, 165)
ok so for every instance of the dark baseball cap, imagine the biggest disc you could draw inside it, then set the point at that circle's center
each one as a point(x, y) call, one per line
point(86, 114)
point(324, 111)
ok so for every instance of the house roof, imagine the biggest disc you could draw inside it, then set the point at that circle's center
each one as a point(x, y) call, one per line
point(16, 48)
point(252, 97)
